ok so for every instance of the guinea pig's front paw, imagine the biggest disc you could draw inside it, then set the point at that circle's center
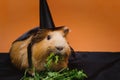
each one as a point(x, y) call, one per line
point(30, 71)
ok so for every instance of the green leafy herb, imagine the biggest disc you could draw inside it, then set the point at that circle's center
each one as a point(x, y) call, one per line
point(63, 74)
point(52, 59)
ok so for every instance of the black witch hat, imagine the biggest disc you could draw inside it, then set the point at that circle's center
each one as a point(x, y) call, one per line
point(46, 20)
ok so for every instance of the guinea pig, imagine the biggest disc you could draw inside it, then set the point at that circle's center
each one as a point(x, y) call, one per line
point(44, 42)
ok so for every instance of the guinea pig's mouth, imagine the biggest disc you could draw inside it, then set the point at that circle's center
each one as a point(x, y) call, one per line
point(61, 54)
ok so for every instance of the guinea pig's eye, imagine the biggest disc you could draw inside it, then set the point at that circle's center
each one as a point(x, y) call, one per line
point(48, 37)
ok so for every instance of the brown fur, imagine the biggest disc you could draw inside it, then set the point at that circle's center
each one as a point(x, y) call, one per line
point(40, 50)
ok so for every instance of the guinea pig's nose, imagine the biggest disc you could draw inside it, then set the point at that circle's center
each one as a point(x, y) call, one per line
point(59, 48)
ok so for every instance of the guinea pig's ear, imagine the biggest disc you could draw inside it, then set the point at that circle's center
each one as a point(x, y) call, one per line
point(65, 30)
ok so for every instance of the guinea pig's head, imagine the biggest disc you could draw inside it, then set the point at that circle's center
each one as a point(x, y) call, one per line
point(56, 41)
point(49, 41)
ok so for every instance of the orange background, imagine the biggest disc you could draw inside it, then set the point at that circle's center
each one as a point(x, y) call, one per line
point(94, 24)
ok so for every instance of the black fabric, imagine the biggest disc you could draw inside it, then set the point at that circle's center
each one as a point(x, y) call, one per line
point(7, 71)
point(97, 65)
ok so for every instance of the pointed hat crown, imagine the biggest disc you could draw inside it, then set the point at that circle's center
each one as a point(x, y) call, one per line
point(46, 20)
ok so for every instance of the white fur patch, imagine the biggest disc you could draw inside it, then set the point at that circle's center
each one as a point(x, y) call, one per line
point(58, 39)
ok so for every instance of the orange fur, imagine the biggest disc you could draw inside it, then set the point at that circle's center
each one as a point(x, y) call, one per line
point(18, 53)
